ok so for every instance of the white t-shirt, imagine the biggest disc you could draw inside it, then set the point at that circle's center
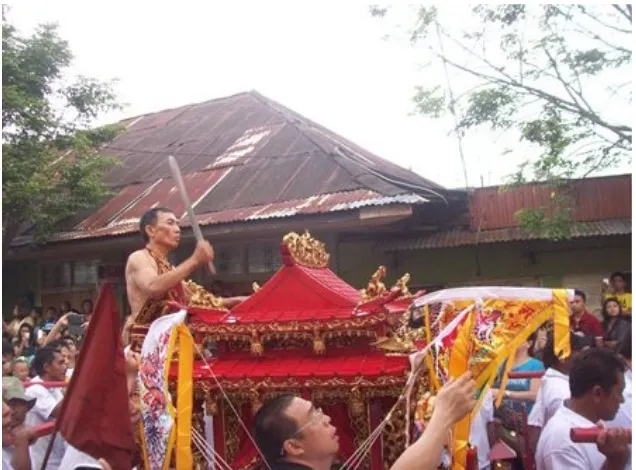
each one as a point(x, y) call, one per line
point(623, 418)
point(73, 458)
point(556, 451)
point(555, 389)
point(46, 401)
point(479, 431)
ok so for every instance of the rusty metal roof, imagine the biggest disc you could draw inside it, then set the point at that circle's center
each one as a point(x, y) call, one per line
point(127, 221)
point(602, 198)
point(457, 237)
point(243, 157)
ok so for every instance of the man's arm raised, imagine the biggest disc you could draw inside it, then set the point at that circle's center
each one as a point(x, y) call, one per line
point(151, 284)
point(454, 401)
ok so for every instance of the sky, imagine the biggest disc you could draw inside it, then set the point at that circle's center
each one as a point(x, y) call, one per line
point(330, 62)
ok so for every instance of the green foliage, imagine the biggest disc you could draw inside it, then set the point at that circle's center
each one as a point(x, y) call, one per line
point(51, 164)
point(549, 73)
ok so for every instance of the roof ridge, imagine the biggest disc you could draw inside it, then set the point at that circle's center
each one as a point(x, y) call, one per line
point(340, 141)
point(185, 106)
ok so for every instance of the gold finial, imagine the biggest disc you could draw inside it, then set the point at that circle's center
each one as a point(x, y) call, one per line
point(255, 287)
point(402, 285)
point(306, 250)
point(375, 287)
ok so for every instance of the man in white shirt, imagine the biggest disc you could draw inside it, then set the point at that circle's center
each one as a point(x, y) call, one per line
point(623, 418)
point(50, 365)
point(555, 385)
point(596, 387)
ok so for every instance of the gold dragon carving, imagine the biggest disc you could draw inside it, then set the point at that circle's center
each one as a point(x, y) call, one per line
point(199, 297)
point(402, 285)
point(375, 287)
point(306, 250)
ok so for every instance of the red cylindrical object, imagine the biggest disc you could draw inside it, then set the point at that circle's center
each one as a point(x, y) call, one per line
point(526, 375)
point(47, 384)
point(472, 462)
point(40, 430)
point(587, 435)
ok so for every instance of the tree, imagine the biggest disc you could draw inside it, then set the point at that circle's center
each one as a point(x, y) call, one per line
point(51, 164)
point(554, 74)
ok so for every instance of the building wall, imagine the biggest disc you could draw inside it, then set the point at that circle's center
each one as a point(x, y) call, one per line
point(576, 264)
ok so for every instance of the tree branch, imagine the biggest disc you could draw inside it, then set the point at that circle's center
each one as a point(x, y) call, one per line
point(566, 85)
point(583, 10)
point(624, 132)
point(626, 13)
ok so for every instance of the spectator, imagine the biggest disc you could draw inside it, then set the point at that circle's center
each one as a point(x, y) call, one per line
point(7, 357)
point(623, 418)
point(21, 437)
point(71, 346)
point(582, 322)
point(292, 434)
point(614, 324)
point(14, 396)
point(49, 365)
point(596, 387)
point(25, 344)
point(619, 291)
point(19, 313)
point(519, 398)
point(65, 307)
point(555, 385)
point(87, 309)
point(20, 368)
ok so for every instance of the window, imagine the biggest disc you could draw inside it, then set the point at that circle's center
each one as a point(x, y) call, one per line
point(85, 273)
point(69, 274)
point(230, 261)
point(263, 258)
point(57, 275)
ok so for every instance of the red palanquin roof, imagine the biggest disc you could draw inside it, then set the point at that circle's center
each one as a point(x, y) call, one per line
point(304, 367)
point(294, 294)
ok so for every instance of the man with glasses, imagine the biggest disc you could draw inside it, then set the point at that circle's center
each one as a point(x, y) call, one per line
point(292, 434)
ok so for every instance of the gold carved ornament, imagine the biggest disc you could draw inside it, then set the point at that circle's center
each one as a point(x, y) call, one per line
point(319, 343)
point(256, 346)
point(402, 285)
point(375, 287)
point(306, 250)
point(199, 297)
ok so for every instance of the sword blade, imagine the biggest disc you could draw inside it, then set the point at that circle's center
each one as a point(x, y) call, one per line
point(178, 178)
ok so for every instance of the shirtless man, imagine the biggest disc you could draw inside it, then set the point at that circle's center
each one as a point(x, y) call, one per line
point(160, 230)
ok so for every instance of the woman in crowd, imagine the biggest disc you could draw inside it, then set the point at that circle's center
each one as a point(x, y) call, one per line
point(614, 324)
point(24, 344)
point(519, 397)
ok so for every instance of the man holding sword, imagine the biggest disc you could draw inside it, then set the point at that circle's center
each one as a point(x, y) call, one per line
point(151, 280)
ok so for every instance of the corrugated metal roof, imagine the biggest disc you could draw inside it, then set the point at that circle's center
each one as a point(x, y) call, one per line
point(462, 237)
point(243, 157)
point(602, 198)
point(127, 219)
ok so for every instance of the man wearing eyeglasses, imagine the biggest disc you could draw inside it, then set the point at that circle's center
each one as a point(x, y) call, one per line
point(292, 434)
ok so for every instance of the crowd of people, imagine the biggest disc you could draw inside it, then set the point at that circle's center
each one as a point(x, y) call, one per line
point(592, 385)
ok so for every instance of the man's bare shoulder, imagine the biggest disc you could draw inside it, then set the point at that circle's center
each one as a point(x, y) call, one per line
point(140, 258)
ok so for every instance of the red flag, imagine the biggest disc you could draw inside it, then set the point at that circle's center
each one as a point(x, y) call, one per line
point(94, 417)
